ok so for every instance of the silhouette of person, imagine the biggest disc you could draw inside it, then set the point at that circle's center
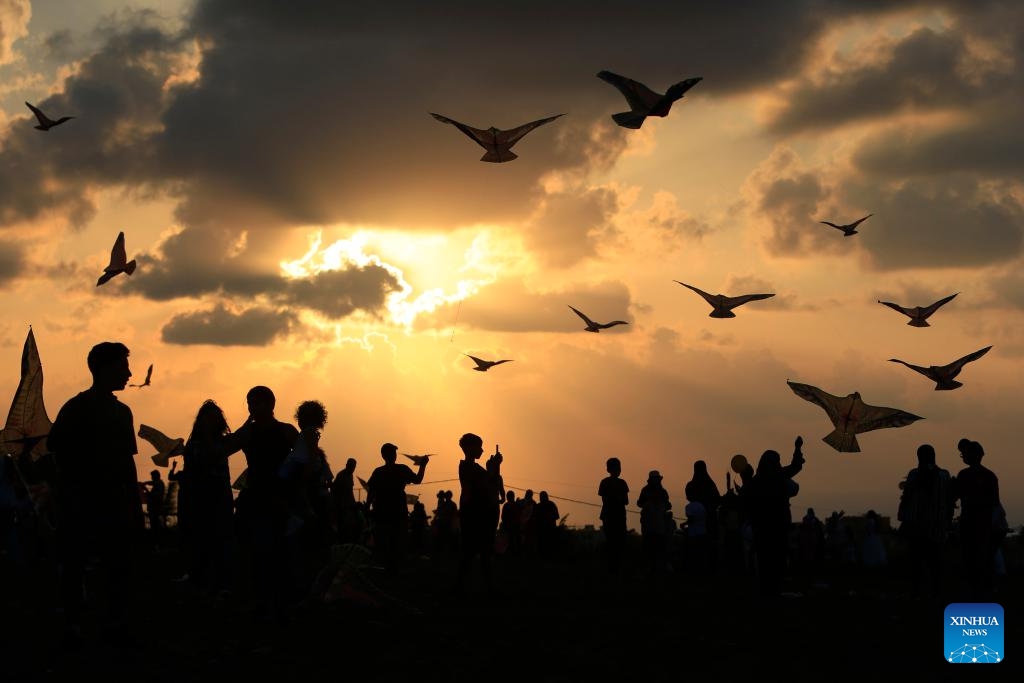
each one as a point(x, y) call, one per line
point(510, 517)
point(697, 541)
point(306, 478)
point(812, 544)
point(614, 493)
point(654, 504)
point(546, 515)
point(388, 504)
point(977, 489)
point(925, 514)
point(417, 527)
point(156, 492)
point(873, 553)
point(266, 442)
point(478, 510)
point(443, 526)
point(705, 492)
point(527, 521)
point(98, 497)
point(205, 501)
point(768, 496)
point(345, 503)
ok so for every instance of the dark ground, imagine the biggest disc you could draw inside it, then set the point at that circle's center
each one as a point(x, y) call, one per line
point(549, 621)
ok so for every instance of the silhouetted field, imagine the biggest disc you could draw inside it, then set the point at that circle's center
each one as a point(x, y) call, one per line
point(559, 620)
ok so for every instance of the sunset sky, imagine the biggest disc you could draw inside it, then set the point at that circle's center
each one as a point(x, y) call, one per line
point(301, 221)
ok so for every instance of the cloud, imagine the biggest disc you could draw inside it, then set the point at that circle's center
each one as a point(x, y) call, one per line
point(937, 223)
point(12, 261)
point(351, 139)
point(924, 71)
point(751, 284)
point(220, 326)
point(194, 262)
point(990, 142)
point(570, 225)
point(14, 18)
point(789, 200)
point(510, 306)
point(117, 96)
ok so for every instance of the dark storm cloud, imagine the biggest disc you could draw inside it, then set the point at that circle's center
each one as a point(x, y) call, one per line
point(925, 222)
point(508, 306)
point(12, 261)
point(924, 72)
point(116, 96)
point(991, 143)
point(953, 222)
point(219, 326)
point(319, 113)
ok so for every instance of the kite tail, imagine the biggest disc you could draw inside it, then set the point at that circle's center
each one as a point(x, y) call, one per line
point(843, 442)
point(499, 155)
point(949, 384)
point(130, 267)
point(629, 119)
point(914, 322)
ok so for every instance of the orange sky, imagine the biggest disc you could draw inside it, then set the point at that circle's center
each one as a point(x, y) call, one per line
point(325, 236)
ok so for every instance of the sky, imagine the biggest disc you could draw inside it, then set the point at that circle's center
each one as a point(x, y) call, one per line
point(300, 221)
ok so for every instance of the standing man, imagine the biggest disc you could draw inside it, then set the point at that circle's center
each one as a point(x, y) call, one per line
point(614, 498)
point(478, 509)
point(385, 497)
point(345, 516)
point(266, 442)
point(98, 500)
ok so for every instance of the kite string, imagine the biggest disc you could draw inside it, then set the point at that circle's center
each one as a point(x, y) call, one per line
point(455, 324)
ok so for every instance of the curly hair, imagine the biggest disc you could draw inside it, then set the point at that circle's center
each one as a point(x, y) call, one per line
point(311, 414)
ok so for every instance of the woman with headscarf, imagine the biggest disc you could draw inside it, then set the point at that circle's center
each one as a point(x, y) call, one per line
point(768, 497)
point(654, 509)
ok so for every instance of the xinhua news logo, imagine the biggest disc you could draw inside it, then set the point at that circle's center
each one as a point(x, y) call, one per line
point(973, 633)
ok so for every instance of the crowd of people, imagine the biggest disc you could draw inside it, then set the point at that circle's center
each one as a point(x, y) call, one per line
point(291, 509)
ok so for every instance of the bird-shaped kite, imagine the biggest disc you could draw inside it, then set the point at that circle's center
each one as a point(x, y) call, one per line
point(485, 365)
point(943, 375)
point(723, 304)
point(597, 327)
point(45, 122)
point(851, 416)
point(643, 101)
point(418, 459)
point(149, 376)
point(498, 143)
point(166, 447)
point(919, 314)
point(119, 262)
point(850, 229)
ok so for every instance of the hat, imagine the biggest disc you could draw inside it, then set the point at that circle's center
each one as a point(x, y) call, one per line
point(654, 474)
